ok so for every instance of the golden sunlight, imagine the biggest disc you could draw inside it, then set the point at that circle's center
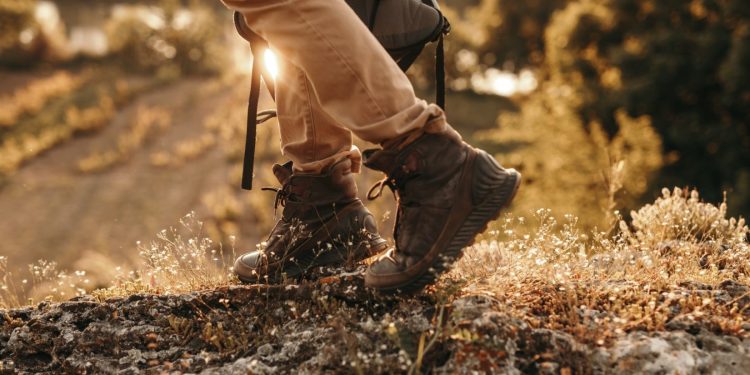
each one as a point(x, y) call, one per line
point(271, 63)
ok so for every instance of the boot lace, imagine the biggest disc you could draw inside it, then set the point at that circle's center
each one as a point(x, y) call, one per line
point(376, 190)
point(282, 194)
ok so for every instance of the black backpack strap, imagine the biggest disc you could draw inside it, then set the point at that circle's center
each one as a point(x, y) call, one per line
point(439, 57)
point(440, 74)
point(257, 46)
point(406, 61)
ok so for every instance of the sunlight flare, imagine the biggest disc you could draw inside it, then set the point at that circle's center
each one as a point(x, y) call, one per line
point(271, 63)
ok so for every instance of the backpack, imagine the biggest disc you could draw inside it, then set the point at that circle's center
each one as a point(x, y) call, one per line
point(403, 27)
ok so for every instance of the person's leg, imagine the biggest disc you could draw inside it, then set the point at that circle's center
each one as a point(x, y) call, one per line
point(448, 191)
point(353, 78)
point(310, 137)
point(323, 223)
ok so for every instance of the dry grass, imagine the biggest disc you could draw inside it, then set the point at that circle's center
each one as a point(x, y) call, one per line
point(41, 281)
point(179, 260)
point(184, 151)
point(34, 96)
point(597, 286)
point(672, 265)
point(87, 109)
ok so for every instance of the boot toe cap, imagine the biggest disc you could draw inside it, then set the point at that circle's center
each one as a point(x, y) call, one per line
point(384, 272)
point(382, 267)
point(247, 266)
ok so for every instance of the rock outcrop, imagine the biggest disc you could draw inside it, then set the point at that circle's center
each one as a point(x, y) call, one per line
point(336, 326)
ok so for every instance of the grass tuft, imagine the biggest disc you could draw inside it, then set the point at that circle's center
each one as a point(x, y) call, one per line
point(598, 286)
point(680, 262)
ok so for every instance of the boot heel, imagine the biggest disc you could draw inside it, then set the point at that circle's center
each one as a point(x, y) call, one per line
point(490, 179)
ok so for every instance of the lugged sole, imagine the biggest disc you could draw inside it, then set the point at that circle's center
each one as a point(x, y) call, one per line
point(476, 222)
point(334, 256)
point(340, 253)
point(326, 257)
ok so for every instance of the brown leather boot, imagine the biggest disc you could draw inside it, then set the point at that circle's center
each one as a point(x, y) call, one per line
point(323, 223)
point(447, 192)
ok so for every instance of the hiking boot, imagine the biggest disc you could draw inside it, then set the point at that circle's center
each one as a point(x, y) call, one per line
point(447, 193)
point(323, 224)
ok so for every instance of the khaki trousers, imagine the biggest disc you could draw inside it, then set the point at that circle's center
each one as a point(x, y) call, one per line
point(335, 79)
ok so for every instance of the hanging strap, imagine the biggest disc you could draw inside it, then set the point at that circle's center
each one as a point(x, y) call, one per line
point(439, 58)
point(257, 46)
point(440, 73)
point(408, 59)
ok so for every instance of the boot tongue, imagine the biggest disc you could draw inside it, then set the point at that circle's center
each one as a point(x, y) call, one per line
point(282, 172)
point(380, 160)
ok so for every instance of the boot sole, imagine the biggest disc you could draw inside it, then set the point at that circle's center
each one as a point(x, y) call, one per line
point(328, 257)
point(336, 255)
point(501, 194)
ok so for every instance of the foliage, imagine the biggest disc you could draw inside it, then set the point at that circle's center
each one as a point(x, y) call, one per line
point(505, 34)
point(612, 110)
point(24, 40)
point(35, 95)
point(185, 40)
point(15, 16)
point(147, 122)
point(683, 63)
point(88, 108)
point(639, 278)
point(568, 168)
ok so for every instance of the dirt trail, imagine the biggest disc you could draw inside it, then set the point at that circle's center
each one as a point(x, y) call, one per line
point(12, 81)
point(50, 210)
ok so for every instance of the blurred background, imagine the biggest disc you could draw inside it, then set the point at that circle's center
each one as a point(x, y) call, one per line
point(119, 118)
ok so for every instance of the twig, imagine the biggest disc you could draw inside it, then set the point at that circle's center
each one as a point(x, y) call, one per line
point(424, 349)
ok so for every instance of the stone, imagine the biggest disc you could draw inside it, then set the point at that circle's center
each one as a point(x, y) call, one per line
point(334, 327)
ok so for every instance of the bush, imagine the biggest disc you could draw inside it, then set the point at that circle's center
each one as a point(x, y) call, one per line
point(679, 226)
point(186, 40)
point(681, 216)
point(574, 167)
point(15, 17)
point(24, 41)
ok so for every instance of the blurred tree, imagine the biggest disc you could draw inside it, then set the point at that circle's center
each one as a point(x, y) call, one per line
point(573, 167)
point(24, 41)
point(504, 34)
point(15, 17)
point(682, 63)
point(170, 39)
point(515, 31)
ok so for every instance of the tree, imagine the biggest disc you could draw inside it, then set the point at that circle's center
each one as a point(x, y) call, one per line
point(504, 34)
point(683, 64)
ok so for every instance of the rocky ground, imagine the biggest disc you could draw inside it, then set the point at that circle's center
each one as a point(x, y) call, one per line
point(334, 325)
